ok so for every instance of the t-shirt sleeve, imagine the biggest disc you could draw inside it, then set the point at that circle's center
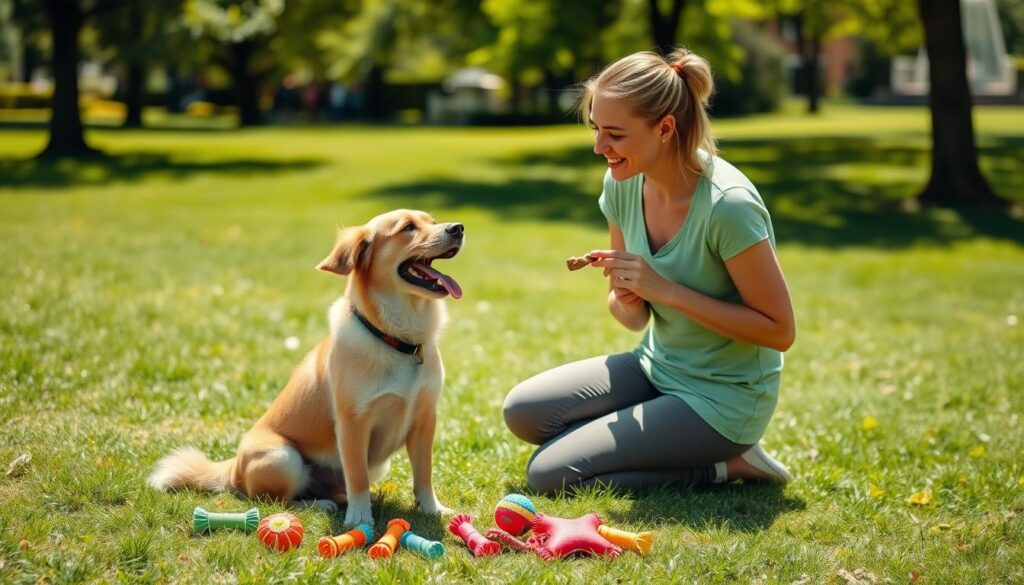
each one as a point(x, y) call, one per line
point(609, 200)
point(738, 222)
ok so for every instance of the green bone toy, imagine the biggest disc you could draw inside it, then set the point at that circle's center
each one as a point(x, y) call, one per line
point(203, 521)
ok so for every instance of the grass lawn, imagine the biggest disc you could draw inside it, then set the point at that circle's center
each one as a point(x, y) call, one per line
point(149, 300)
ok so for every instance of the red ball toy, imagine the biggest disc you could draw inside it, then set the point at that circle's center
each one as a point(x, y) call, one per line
point(280, 531)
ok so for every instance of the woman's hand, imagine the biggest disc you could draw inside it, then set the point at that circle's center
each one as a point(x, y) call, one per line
point(632, 279)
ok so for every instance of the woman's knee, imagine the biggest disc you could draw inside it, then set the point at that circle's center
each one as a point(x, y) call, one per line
point(547, 475)
point(522, 415)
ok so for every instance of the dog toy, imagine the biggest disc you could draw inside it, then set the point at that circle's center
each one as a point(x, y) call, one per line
point(281, 531)
point(557, 537)
point(508, 540)
point(385, 547)
point(203, 521)
point(635, 541)
point(421, 546)
point(332, 546)
point(515, 514)
point(480, 545)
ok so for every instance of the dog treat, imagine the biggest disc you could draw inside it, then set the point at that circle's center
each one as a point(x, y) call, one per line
point(332, 546)
point(577, 262)
point(387, 544)
point(203, 521)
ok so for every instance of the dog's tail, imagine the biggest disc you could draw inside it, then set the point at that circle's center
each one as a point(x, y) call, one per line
point(189, 467)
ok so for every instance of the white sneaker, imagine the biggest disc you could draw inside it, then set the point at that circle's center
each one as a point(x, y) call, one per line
point(757, 458)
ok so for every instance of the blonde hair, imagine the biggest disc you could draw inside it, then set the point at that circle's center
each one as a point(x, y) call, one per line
point(654, 87)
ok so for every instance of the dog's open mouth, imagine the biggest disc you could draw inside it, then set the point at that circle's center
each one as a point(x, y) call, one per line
point(419, 272)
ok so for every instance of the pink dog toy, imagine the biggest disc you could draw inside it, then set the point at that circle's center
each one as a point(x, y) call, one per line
point(480, 546)
point(557, 537)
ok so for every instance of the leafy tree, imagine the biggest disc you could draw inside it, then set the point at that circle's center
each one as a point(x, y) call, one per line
point(243, 28)
point(140, 33)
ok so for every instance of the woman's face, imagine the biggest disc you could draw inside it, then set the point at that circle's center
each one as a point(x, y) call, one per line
point(629, 143)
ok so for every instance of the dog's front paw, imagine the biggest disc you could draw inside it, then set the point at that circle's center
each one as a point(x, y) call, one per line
point(431, 505)
point(358, 511)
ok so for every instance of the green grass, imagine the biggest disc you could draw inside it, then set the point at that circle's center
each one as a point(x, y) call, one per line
point(145, 300)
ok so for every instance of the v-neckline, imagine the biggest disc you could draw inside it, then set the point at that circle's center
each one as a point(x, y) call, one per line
point(682, 227)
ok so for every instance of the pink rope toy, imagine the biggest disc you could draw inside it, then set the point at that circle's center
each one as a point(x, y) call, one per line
point(510, 541)
point(480, 546)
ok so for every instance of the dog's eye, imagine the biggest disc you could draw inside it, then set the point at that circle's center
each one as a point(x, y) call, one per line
point(409, 227)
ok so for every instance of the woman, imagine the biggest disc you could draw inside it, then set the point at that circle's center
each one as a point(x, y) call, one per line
point(692, 253)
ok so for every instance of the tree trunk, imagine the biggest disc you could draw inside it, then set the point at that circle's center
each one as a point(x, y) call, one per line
point(135, 95)
point(67, 138)
point(811, 65)
point(376, 104)
point(172, 100)
point(243, 81)
point(665, 27)
point(956, 179)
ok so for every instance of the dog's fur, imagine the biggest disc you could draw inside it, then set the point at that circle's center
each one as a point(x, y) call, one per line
point(354, 400)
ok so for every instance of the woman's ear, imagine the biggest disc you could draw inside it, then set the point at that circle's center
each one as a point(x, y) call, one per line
point(351, 252)
point(667, 127)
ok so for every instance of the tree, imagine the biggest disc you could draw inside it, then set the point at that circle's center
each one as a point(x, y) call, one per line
point(138, 32)
point(67, 137)
point(665, 24)
point(956, 179)
point(243, 27)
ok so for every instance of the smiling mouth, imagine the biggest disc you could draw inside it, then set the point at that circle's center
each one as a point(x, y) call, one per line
point(614, 162)
point(419, 272)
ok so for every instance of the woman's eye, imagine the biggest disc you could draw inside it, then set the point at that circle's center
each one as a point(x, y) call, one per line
point(614, 137)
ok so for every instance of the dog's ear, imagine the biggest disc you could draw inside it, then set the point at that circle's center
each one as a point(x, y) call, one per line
point(351, 252)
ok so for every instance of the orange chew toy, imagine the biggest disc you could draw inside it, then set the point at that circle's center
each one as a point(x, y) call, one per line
point(332, 546)
point(387, 544)
point(637, 542)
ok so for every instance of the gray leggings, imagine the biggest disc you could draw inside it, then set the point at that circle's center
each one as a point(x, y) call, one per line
point(601, 420)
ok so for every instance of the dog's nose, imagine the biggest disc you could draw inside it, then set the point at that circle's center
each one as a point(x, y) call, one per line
point(455, 229)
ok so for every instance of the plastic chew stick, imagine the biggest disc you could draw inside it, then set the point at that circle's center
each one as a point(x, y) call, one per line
point(639, 542)
point(203, 521)
point(421, 546)
point(479, 544)
point(387, 544)
point(332, 546)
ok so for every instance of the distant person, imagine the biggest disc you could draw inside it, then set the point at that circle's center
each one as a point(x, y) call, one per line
point(692, 260)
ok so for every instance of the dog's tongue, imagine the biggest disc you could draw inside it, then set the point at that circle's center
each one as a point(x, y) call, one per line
point(444, 280)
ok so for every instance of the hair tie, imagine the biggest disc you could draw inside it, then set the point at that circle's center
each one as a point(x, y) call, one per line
point(678, 67)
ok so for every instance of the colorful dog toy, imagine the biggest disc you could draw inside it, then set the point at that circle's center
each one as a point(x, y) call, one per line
point(419, 545)
point(639, 542)
point(557, 537)
point(480, 545)
point(203, 521)
point(515, 514)
point(332, 546)
point(281, 531)
point(385, 547)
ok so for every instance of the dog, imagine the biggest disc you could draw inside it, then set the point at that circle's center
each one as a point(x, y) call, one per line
point(370, 387)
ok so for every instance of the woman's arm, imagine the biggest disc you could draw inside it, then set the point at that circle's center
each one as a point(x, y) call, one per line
point(764, 318)
point(626, 306)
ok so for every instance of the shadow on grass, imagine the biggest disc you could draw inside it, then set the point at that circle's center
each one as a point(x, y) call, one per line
point(745, 508)
point(822, 191)
point(131, 167)
point(385, 509)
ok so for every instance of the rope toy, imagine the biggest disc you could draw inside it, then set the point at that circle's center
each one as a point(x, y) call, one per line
point(385, 547)
point(203, 521)
point(462, 526)
point(332, 546)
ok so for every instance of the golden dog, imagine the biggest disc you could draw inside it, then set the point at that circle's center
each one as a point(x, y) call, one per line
point(369, 387)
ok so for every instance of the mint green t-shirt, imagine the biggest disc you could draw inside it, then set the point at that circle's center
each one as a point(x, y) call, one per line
point(732, 385)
